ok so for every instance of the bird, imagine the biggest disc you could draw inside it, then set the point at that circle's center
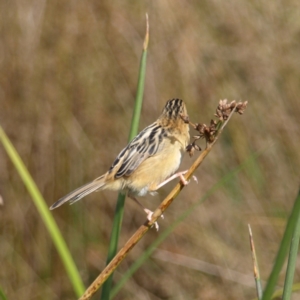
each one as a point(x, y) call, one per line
point(148, 162)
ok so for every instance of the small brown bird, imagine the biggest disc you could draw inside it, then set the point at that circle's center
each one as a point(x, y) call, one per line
point(147, 162)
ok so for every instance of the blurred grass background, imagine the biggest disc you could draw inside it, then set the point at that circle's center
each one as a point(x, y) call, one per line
point(67, 86)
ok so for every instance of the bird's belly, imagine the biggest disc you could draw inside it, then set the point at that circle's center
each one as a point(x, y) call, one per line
point(153, 171)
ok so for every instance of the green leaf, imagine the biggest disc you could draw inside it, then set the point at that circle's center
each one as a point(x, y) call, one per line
point(282, 252)
point(45, 214)
point(2, 295)
point(288, 284)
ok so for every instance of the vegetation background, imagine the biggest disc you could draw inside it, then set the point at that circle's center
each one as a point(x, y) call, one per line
point(67, 86)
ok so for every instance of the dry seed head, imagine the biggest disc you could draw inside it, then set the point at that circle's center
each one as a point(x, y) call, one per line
point(224, 109)
point(232, 104)
point(192, 147)
point(200, 128)
point(213, 126)
point(190, 150)
point(241, 106)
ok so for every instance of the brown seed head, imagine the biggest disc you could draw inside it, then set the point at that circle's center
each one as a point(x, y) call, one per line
point(241, 106)
point(224, 109)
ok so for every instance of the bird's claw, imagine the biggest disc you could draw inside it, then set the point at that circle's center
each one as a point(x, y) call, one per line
point(184, 181)
point(149, 218)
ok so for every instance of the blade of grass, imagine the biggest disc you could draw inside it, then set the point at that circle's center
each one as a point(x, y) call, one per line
point(2, 295)
point(282, 252)
point(255, 265)
point(45, 214)
point(278, 293)
point(288, 284)
point(113, 245)
point(140, 87)
point(135, 266)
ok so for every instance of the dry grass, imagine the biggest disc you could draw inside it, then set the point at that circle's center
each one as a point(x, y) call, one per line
point(67, 84)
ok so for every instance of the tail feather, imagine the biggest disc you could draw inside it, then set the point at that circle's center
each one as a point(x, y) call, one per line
point(80, 193)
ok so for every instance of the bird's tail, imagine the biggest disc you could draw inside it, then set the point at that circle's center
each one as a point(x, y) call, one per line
point(81, 192)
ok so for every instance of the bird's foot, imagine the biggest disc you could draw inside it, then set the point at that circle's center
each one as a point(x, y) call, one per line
point(149, 217)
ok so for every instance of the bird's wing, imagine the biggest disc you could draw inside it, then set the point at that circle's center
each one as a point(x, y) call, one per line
point(147, 143)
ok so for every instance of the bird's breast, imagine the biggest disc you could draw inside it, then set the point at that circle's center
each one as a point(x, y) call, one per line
point(155, 169)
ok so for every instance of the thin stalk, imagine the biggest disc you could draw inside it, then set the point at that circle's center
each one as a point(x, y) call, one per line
point(255, 265)
point(118, 217)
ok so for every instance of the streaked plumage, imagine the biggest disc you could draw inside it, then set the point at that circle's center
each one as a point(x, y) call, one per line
point(147, 161)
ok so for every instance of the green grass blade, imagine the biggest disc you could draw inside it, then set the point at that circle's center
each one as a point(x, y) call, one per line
point(278, 293)
point(184, 215)
point(113, 245)
point(2, 295)
point(140, 89)
point(288, 284)
point(45, 215)
point(283, 250)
